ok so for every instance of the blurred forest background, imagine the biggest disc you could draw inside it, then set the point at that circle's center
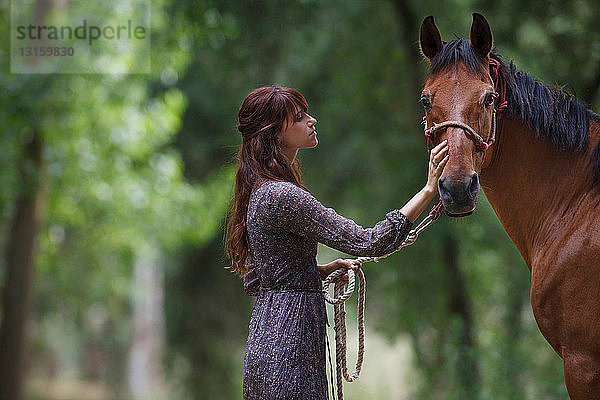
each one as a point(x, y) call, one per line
point(114, 190)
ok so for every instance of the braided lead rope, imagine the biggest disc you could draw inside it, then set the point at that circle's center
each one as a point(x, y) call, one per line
point(330, 383)
point(341, 295)
point(339, 321)
point(340, 328)
point(333, 277)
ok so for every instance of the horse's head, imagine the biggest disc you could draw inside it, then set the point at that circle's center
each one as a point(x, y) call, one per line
point(459, 94)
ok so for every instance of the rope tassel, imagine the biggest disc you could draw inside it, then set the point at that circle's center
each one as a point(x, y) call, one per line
point(340, 328)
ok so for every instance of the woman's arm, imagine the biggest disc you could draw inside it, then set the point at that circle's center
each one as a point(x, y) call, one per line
point(411, 210)
point(288, 208)
point(437, 160)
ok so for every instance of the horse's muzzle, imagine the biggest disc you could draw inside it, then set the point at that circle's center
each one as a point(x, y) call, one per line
point(459, 197)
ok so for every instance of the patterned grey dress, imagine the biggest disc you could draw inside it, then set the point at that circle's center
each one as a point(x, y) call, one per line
point(285, 352)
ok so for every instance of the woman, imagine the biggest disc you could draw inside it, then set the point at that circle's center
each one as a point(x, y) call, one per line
point(273, 231)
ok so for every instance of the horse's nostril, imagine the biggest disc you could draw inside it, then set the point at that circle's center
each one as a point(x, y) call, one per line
point(459, 195)
point(441, 181)
point(474, 185)
point(444, 189)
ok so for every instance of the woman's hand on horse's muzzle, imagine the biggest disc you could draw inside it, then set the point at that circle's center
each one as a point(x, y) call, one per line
point(437, 161)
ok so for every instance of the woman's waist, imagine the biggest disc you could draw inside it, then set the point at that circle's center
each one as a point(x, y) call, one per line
point(290, 289)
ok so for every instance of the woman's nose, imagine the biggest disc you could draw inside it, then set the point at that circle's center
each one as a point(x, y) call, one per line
point(312, 120)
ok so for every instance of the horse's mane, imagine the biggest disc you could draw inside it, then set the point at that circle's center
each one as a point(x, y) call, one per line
point(552, 113)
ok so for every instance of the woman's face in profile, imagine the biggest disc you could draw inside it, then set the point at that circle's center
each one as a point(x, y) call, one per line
point(299, 133)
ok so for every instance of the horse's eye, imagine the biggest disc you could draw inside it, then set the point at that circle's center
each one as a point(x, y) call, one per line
point(489, 99)
point(426, 103)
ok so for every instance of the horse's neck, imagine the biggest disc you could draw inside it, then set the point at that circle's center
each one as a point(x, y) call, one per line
point(532, 186)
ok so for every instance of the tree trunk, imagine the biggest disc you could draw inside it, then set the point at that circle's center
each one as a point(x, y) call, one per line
point(513, 322)
point(467, 367)
point(145, 373)
point(409, 32)
point(20, 253)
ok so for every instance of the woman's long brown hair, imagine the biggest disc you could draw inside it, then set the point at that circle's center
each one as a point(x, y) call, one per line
point(265, 112)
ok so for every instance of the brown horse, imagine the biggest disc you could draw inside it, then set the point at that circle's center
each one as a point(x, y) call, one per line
point(541, 174)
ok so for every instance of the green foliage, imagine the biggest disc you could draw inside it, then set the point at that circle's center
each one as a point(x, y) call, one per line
point(116, 192)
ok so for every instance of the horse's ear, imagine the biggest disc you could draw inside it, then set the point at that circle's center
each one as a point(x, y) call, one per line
point(481, 36)
point(431, 40)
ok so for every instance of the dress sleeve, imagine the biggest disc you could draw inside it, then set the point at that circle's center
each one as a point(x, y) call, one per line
point(292, 209)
